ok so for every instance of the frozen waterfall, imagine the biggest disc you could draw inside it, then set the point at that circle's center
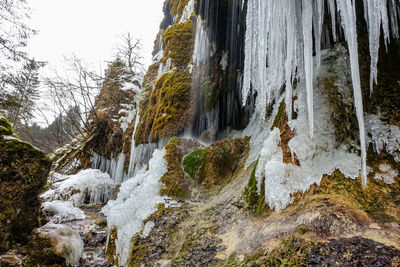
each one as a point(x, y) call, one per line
point(279, 48)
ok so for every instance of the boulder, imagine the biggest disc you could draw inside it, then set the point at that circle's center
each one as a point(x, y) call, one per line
point(23, 173)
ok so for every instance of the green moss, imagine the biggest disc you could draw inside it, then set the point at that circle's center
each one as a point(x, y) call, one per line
point(210, 95)
point(302, 230)
point(192, 162)
point(231, 259)
point(173, 105)
point(5, 126)
point(278, 117)
point(215, 164)
point(256, 201)
point(40, 252)
point(250, 192)
point(262, 206)
point(178, 44)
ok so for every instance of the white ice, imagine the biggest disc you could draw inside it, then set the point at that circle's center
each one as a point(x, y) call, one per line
point(61, 211)
point(137, 199)
point(92, 185)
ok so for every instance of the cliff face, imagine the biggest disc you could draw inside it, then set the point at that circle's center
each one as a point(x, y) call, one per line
point(257, 139)
point(204, 40)
point(294, 77)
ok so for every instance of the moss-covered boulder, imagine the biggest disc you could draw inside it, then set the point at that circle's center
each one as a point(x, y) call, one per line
point(40, 252)
point(176, 185)
point(215, 164)
point(23, 173)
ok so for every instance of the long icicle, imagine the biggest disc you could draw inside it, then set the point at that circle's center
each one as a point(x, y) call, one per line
point(308, 59)
point(347, 11)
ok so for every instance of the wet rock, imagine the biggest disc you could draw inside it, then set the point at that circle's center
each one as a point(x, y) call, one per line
point(355, 251)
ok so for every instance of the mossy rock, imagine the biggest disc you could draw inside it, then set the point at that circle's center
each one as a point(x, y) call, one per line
point(23, 173)
point(256, 201)
point(173, 103)
point(176, 184)
point(174, 180)
point(343, 117)
point(40, 252)
point(379, 202)
point(178, 44)
point(177, 7)
point(296, 250)
point(215, 164)
point(5, 126)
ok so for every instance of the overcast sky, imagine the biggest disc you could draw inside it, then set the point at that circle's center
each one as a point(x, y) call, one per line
point(90, 28)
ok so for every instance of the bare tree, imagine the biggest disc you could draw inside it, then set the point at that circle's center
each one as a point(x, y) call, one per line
point(76, 90)
point(129, 51)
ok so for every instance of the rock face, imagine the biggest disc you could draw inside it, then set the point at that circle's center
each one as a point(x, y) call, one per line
point(23, 173)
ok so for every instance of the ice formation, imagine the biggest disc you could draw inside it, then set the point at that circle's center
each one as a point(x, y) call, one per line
point(376, 16)
point(92, 186)
point(318, 155)
point(137, 199)
point(61, 211)
point(187, 12)
point(68, 242)
point(383, 136)
point(115, 166)
point(386, 173)
point(279, 48)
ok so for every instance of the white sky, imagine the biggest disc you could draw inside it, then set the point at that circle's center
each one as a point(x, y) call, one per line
point(90, 28)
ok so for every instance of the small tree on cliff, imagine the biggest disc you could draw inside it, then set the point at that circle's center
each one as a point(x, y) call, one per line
point(130, 52)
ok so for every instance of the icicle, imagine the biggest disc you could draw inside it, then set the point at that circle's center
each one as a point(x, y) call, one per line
point(332, 10)
point(308, 59)
point(346, 9)
point(318, 19)
point(377, 17)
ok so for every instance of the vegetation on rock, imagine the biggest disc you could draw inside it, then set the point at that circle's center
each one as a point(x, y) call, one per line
point(215, 164)
point(177, 7)
point(23, 174)
point(178, 44)
point(378, 202)
point(174, 180)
